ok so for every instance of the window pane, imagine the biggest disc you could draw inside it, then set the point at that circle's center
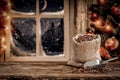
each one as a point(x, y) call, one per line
point(24, 36)
point(51, 5)
point(23, 6)
point(52, 35)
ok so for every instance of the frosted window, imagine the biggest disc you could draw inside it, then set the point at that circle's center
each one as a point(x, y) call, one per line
point(24, 36)
point(52, 35)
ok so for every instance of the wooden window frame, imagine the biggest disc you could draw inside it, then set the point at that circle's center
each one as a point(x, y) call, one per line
point(68, 31)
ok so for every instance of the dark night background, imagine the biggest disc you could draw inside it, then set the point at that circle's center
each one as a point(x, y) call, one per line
point(30, 5)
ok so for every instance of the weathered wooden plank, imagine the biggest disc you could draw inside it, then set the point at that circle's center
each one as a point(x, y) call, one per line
point(52, 70)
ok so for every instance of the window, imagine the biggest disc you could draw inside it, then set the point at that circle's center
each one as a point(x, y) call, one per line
point(40, 31)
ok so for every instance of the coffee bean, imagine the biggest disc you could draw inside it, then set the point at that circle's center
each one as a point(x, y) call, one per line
point(86, 37)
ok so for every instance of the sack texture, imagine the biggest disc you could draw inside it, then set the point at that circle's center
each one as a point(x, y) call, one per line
point(84, 51)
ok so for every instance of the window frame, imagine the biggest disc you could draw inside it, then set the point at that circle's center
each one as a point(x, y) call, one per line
point(68, 30)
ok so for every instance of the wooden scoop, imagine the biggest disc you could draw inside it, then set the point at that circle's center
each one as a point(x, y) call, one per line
point(98, 64)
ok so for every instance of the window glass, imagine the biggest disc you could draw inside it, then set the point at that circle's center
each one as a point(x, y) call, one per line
point(24, 36)
point(52, 35)
point(23, 6)
point(51, 5)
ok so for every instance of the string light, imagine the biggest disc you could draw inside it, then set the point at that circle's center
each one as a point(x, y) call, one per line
point(4, 46)
point(8, 17)
point(110, 17)
point(9, 4)
point(5, 23)
point(4, 13)
point(3, 39)
point(3, 42)
point(7, 27)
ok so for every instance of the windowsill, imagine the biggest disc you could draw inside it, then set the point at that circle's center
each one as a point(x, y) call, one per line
point(44, 70)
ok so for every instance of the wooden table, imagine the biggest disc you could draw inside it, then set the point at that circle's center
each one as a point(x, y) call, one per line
point(53, 71)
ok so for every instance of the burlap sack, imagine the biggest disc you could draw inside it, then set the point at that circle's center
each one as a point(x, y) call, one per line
point(84, 51)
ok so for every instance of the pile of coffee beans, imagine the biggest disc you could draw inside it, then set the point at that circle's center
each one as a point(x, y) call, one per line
point(85, 37)
point(89, 70)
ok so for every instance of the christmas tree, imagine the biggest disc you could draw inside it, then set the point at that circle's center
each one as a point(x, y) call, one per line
point(104, 19)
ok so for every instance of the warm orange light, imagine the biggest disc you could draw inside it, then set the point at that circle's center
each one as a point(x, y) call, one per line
point(101, 2)
point(5, 23)
point(7, 27)
point(4, 13)
point(109, 28)
point(8, 17)
point(99, 23)
point(4, 46)
point(3, 39)
point(9, 4)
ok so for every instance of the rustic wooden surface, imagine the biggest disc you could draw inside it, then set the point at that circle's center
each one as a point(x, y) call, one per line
point(52, 71)
point(2, 58)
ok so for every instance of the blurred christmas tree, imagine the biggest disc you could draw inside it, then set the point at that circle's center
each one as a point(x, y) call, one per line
point(104, 19)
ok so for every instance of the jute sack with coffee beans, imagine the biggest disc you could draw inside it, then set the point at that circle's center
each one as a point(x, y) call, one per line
point(85, 48)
